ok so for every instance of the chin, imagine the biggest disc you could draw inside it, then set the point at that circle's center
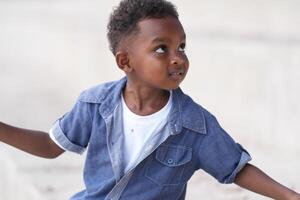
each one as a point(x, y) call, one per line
point(173, 87)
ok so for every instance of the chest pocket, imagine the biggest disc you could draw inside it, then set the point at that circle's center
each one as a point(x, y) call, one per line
point(168, 164)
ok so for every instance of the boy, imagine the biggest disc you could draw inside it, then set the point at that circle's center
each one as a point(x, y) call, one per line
point(145, 137)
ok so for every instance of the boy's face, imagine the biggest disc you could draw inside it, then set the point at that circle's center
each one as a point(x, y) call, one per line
point(156, 54)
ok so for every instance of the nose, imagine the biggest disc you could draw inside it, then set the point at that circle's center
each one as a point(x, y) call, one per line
point(177, 59)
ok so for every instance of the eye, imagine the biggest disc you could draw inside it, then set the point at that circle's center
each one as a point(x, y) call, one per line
point(182, 47)
point(161, 49)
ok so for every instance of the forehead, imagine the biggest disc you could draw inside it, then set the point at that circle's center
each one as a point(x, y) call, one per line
point(156, 28)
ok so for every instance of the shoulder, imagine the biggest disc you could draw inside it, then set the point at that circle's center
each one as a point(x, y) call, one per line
point(97, 93)
point(192, 106)
point(194, 115)
point(203, 118)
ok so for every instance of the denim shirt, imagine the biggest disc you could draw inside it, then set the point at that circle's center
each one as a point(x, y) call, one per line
point(192, 139)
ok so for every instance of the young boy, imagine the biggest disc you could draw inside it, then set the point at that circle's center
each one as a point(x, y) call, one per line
point(145, 137)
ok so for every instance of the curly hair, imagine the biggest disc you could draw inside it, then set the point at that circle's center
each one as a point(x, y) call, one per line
point(124, 18)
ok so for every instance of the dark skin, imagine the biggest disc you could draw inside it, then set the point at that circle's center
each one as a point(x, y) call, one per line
point(37, 143)
point(154, 62)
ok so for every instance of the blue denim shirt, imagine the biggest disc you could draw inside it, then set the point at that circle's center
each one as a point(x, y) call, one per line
point(192, 139)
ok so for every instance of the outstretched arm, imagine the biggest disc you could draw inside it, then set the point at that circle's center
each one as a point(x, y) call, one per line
point(34, 142)
point(252, 178)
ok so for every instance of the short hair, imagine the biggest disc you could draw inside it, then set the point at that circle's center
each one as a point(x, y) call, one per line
point(124, 18)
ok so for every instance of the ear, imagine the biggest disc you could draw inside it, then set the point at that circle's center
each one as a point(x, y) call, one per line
point(122, 61)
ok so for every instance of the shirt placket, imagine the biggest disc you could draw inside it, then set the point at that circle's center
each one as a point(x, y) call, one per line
point(115, 142)
point(151, 146)
point(115, 145)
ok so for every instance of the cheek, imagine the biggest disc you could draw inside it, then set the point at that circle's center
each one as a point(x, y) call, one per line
point(155, 64)
point(187, 63)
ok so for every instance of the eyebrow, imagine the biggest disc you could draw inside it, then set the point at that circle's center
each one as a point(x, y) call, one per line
point(162, 39)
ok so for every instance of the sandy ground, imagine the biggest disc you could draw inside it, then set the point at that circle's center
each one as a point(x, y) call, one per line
point(244, 59)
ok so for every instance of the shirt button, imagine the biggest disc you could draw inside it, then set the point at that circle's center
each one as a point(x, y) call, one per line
point(170, 161)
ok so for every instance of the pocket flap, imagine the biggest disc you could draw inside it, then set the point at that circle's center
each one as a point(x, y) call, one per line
point(173, 155)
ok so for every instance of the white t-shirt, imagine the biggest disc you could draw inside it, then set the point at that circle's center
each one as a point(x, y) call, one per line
point(138, 129)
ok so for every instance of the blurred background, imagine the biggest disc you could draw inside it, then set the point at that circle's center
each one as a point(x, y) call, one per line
point(244, 68)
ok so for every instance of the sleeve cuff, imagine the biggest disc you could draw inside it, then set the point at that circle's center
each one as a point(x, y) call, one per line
point(245, 158)
point(58, 136)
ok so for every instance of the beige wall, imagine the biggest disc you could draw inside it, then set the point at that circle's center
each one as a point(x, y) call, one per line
point(244, 56)
point(244, 61)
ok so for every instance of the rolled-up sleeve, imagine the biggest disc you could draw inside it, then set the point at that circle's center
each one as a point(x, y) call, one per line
point(219, 155)
point(72, 131)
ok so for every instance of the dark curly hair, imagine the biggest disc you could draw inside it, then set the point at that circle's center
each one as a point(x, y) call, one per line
point(124, 18)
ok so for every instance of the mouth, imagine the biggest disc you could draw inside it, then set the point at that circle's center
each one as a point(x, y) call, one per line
point(177, 75)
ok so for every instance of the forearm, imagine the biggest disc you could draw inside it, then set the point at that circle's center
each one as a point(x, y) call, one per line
point(34, 142)
point(257, 181)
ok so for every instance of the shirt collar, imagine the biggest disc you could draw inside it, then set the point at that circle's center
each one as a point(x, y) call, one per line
point(184, 112)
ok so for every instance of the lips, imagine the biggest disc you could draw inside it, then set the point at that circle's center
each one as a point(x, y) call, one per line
point(176, 74)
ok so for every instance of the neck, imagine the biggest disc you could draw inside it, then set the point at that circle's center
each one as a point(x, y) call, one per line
point(144, 100)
